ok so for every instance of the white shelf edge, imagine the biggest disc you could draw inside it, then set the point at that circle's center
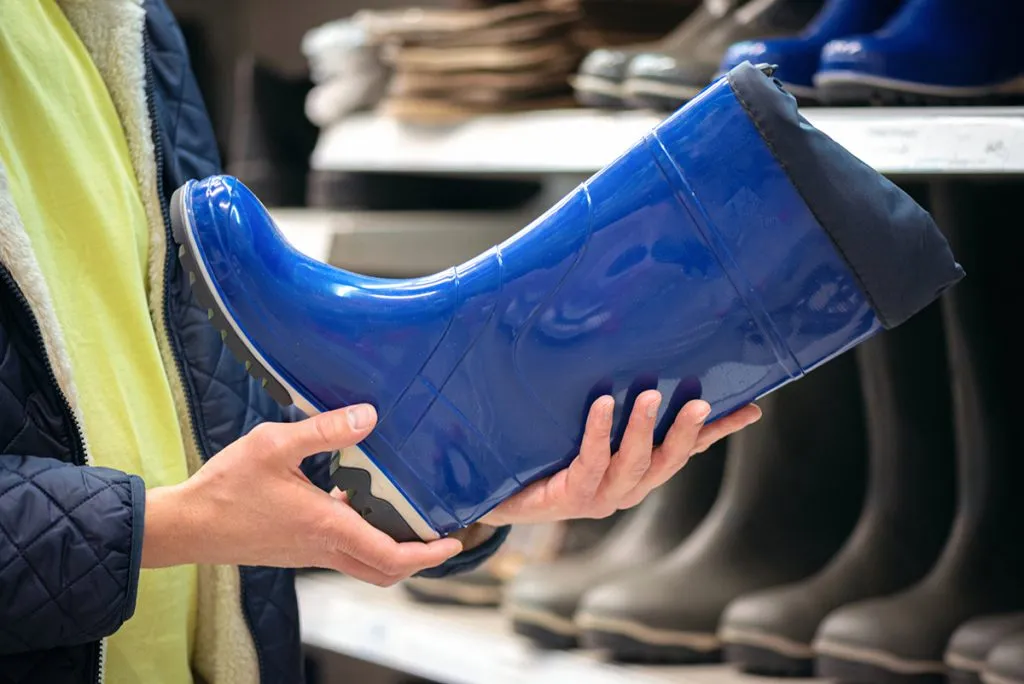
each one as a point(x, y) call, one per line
point(911, 141)
point(460, 645)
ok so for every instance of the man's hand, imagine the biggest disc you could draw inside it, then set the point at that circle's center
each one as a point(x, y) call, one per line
point(596, 484)
point(253, 506)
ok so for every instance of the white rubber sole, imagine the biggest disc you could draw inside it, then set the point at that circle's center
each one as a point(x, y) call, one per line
point(880, 659)
point(696, 641)
point(542, 618)
point(993, 678)
point(839, 78)
point(381, 487)
point(955, 661)
point(455, 591)
point(642, 88)
point(597, 86)
point(770, 642)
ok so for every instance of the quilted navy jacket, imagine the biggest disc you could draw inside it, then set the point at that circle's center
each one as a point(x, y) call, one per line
point(70, 534)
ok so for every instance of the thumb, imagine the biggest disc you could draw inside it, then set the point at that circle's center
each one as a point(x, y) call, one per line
point(330, 431)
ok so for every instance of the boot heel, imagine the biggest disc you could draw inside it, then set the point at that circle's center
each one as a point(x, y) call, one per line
point(376, 498)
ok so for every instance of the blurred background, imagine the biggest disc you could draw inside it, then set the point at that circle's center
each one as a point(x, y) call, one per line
point(869, 529)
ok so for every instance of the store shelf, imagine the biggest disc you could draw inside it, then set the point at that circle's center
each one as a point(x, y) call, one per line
point(461, 645)
point(934, 141)
point(308, 231)
point(398, 244)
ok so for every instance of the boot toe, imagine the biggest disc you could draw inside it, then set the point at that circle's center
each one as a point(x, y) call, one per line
point(882, 62)
point(885, 633)
point(606, 64)
point(854, 55)
point(782, 620)
point(796, 60)
point(641, 604)
point(972, 641)
point(538, 589)
point(664, 68)
point(636, 621)
point(1005, 663)
point(478, 587)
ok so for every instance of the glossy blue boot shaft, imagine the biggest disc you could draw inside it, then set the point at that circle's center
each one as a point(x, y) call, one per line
point(697, 263)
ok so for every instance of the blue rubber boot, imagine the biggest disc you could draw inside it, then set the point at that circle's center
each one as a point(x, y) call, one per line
point(930, 52)
point(796, 58)
point(730, 251)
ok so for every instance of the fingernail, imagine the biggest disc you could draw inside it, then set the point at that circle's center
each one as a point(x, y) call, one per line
point(607, 409)
point(359, 417)
point(652, 408)
point(703, 412)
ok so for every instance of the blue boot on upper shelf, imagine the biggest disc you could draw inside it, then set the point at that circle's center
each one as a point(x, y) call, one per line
point(930, 52)
point(796, 58)
point(731, 250)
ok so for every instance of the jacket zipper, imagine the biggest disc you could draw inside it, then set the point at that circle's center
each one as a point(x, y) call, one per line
point(81, 456)
point(169, 264)
point(158, 155)
point(80, 453)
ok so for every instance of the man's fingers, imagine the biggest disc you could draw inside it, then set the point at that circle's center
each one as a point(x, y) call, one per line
point(634, 457)
point(588, 469)
point(685, 431)
point(350, 535)
point(436, 553)
point(674, 452)
point(723, 427)
point(362, 572)
point(330, 431)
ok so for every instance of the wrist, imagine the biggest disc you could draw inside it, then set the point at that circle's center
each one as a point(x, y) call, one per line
point(170, 533)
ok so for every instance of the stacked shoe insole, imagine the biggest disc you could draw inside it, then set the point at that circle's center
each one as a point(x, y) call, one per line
point(450, 64)
point(346, 68)
point(349, 75)
point(610, 23)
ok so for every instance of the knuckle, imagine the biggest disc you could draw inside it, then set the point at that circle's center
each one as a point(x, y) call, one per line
point(388, 561)
point(584, 500)
point(265, 438)
point(328, 427)
point(327, 540)
point(389, 566)
point(641, 466)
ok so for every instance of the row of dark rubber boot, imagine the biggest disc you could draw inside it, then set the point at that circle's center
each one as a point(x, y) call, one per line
point(866, 529)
